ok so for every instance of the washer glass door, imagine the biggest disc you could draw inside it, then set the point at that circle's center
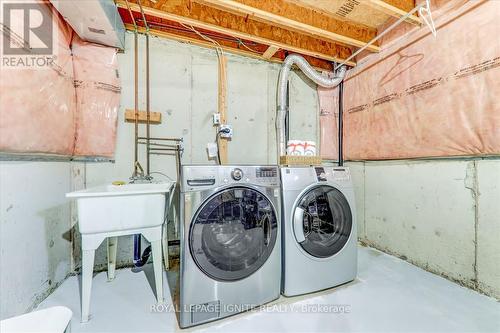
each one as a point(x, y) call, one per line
point(322, 221)
point(233, 233)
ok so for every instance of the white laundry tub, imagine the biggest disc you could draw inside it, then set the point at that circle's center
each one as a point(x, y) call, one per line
point(109, 208)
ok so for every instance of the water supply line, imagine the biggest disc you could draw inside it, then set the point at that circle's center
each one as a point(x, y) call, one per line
point(139, 175)
point(148, 109)
point(341, 124)
point(137, 165)
point(313, 75)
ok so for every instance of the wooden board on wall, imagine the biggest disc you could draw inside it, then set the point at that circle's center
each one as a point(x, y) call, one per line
point(222, 106)
point(154, 117)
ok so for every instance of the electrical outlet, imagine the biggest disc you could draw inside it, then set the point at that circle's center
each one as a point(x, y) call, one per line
point(216, 119)
point(226, 131)
point(212, 149)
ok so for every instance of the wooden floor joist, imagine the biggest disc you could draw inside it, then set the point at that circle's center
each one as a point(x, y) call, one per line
point(394, 11)
point(303, 20)
point(318, 64)
point(211, 19)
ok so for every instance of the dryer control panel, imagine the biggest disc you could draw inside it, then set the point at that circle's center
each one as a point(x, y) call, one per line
point(339, 174)
point(298, 178)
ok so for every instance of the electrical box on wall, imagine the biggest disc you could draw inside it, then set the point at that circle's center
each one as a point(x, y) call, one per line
point(212, 149)
point(216, 119)
point(226, 131)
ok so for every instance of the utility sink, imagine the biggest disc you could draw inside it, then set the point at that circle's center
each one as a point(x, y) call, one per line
point(109, 208)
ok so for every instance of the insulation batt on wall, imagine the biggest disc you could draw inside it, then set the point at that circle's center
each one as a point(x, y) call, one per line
point(68, 108)
point(428, 97)
point(98, 89)
point(37, 104)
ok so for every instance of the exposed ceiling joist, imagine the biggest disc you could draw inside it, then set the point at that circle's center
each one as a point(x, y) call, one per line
point(389, 9)
point(211, 19)
point(316, 63)
point(194, 41)
point(303, 20)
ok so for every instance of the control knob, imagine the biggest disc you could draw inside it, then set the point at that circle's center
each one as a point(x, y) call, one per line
point(237, 174)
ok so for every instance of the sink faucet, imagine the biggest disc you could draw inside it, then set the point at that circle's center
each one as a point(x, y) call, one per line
point(138, 176)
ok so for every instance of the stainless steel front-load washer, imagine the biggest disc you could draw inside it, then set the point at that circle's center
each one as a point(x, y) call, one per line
point(319, 229)
point(230, 241)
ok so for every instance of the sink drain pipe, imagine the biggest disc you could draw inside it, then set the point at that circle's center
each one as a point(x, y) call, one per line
point(140, 260)
point(313, 75)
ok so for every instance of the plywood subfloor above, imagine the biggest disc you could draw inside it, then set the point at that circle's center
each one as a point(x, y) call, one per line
point(208, 19)
point(371, 13)
point(328, 30)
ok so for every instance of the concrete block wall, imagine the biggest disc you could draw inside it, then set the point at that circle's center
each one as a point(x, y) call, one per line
point(441, 215)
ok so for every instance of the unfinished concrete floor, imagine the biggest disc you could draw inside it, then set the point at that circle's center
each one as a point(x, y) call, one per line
point(389, 295)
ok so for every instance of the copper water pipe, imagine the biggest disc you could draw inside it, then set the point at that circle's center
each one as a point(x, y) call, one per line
point(136, 92)
point(148, 113)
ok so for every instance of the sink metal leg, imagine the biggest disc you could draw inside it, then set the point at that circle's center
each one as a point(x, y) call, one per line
point(112, 248)
point(157, 266)
point(87, 272)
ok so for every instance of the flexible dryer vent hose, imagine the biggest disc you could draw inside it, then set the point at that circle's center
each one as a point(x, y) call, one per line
point(312, 74)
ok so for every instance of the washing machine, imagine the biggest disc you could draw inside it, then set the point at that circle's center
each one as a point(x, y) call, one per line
point(319, 229)
point(230, 241)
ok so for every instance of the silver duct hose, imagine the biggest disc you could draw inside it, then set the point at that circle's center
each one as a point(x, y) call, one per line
point(312, 74)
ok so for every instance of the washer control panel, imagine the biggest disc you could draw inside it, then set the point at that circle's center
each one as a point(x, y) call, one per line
point(266, 172)
point(198, 177)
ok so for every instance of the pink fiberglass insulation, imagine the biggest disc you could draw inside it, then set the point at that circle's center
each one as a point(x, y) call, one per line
point(428, 97)
point(98, 98)
point(37, 104)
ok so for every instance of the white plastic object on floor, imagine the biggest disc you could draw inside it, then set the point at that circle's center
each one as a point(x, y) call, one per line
point(56, 319)
point(106, 212)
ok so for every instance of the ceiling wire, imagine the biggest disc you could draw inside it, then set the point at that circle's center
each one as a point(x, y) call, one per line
point(218, 47)
point(131, 16)
point(240, 42)
point(143, 17)
point(210, 36)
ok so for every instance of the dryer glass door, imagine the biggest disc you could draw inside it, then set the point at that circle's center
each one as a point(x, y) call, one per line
point(322, 221)
point(233, 233)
